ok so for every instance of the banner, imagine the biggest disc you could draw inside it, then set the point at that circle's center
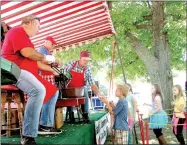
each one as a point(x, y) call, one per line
point(101, 129)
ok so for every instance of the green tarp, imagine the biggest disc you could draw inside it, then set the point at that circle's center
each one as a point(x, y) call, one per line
point(71, 134)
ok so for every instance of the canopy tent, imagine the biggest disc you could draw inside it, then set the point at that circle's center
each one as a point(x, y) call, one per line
point(71, 23)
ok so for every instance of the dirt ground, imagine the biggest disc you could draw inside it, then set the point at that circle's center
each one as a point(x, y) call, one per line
point(168, 135)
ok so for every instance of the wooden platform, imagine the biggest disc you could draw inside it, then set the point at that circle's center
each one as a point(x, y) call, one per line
point(71, 134)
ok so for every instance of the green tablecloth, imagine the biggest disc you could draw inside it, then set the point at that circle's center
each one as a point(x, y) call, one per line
point(71, 134)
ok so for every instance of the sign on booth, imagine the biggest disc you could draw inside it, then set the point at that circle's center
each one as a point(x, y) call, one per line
point(101, 129)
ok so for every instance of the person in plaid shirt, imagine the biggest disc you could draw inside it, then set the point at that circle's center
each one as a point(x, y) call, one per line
point(45, 49)
point(81, 74)
point(49, 76)
point(120, 112)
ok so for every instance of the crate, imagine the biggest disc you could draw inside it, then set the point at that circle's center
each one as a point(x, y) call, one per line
point(98, 104)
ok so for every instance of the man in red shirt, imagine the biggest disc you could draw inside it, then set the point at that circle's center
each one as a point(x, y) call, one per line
point(18, 48)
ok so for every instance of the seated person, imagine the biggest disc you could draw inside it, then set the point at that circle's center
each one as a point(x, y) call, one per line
point(18, 48)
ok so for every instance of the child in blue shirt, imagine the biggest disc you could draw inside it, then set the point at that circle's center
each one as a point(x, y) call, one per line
point(120, 112)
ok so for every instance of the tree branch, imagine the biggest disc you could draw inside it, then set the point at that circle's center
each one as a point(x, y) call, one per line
point(141, 50)
point(144, 26)
point(109, 5)
point(148, 17)
point(148, 4)
point(148, 27)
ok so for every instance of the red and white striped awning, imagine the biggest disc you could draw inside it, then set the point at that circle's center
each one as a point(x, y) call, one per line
point(71, 23)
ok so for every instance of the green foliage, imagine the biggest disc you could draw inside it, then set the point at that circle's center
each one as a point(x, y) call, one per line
point(124, 16)
point(100, 50)
point(176, 28)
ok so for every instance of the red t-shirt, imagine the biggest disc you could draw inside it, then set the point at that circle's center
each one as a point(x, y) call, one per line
point(15, 40)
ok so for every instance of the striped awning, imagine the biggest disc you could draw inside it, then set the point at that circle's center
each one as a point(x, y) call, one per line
point(71, 23)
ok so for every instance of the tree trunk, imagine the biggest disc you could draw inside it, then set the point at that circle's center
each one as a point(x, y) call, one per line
point(162, 52)
point(157, 64)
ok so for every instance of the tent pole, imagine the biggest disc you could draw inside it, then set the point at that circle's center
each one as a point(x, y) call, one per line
point(121, 62)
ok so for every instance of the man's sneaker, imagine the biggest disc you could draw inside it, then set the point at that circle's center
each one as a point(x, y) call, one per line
point(28, 141)
point(43, 130)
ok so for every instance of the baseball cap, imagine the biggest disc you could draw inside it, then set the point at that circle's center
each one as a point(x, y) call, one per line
point(85, 54)
point(51, 39)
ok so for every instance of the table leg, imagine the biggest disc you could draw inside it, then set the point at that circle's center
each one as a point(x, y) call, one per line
point(78, 113)
point(9, 98)
point(3, 102)
point(20, 115)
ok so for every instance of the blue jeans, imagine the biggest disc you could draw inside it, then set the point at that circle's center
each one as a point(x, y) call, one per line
point(48, 111)
point(36, 91)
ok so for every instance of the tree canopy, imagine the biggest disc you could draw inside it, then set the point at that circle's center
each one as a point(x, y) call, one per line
point(133, 16)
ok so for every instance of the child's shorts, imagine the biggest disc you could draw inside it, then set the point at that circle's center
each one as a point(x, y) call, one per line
point(121, 137)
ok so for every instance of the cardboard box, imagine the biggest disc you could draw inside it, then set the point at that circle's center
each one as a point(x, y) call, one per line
point(59, 118)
